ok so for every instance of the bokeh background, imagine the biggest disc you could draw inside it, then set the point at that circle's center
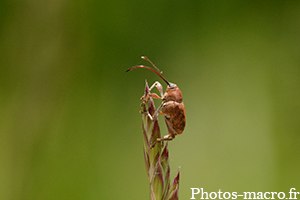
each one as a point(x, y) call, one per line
point(70, 126)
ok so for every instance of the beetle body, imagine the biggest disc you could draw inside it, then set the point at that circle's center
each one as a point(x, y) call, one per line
point(172, 105)
point(173, 110)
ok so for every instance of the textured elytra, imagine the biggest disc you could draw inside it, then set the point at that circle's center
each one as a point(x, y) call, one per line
point(174, 113)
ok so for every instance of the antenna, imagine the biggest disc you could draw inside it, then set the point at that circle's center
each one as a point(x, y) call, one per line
point(145, 58)
point(142, 66)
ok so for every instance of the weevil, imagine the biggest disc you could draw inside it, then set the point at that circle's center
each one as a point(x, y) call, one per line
point(172, 105)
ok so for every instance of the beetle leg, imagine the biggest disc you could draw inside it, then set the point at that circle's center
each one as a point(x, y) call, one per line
point(155, 114)
point(153, 144)
point(161, 140)
point(158, 86)
point(154, 95)
point(170, 136)
point(166, 137)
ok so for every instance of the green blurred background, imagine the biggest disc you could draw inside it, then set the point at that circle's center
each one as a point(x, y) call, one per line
point(70, 126)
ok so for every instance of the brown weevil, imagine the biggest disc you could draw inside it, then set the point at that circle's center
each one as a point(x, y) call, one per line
point(172, 106)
